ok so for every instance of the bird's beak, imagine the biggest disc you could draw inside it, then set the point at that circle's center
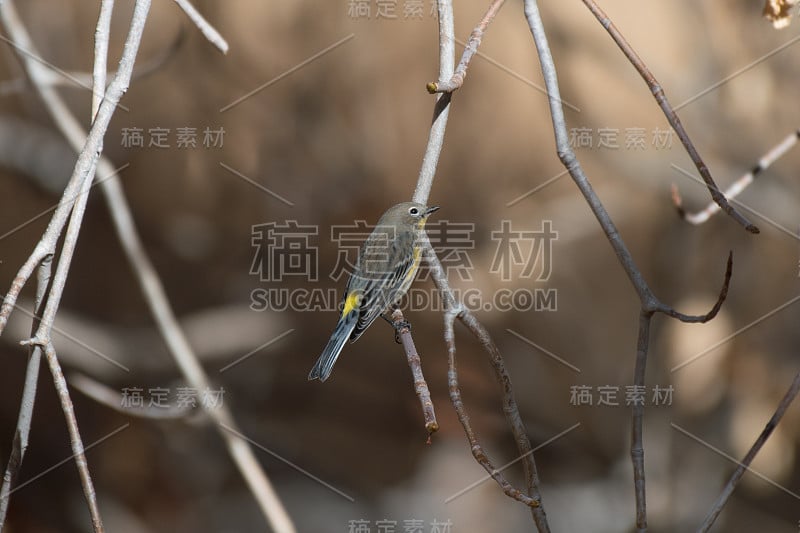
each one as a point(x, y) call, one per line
point(432, 209)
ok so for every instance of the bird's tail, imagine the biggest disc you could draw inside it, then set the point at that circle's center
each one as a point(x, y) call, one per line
point(324, 365)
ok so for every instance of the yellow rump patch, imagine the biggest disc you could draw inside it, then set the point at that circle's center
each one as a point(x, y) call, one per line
point(352, 301)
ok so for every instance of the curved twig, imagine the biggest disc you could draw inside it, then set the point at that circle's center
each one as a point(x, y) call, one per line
point(455, 397)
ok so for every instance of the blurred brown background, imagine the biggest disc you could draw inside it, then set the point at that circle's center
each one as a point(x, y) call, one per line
point(342, 139)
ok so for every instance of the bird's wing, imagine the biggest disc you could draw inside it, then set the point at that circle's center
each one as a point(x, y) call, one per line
point(381, 288)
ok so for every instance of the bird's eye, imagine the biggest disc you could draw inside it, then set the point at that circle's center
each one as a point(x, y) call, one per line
point(413, 211)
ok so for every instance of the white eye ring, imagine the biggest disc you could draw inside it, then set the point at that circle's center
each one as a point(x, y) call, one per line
point(413, 211)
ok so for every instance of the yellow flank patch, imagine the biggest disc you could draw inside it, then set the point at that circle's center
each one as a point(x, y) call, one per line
point(351, 302)
point(414, 266)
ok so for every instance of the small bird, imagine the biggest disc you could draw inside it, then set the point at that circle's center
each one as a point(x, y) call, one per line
point(386, 266)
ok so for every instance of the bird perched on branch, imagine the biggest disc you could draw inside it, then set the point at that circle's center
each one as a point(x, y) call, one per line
point(387, 264)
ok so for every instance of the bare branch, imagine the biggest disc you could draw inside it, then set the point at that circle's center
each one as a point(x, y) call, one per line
point(471, 48)
point(475, 446)
point(723, 294)
point(637, 420)
point(202, 24)
point(738, 186)
point(672, 117)
point(101, 37)
point(22, 432)
point(441, 109)
point(415, 363)
point(784, 404)
point(511, 411)
point(74, 79)
point(454, 309)
point(74, 436)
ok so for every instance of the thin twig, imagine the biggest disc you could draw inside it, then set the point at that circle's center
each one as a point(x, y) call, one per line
point(74, 436)
point(721, 297)
point(471, 48)
point(22, 432)
point(463, 417)
point(736, 188)
point(784, 404)
point(102, 349)
point(101, 38)
point(511, 411)
point(458, 404)
point(75, 79)
point(202, 24)
point(415, 363)
point(637, 420)
point(648, 301)
point(454, 309)
point(672, 117)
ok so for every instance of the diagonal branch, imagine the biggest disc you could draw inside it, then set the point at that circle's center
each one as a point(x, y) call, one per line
point(22, 432)
point(672, 117)
point(454, 309)
point(784, 404)
point(74, 436)
point(403, 330)
point(737, 187)
point(471, 48)
point(202, 24)
point(455, 397)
